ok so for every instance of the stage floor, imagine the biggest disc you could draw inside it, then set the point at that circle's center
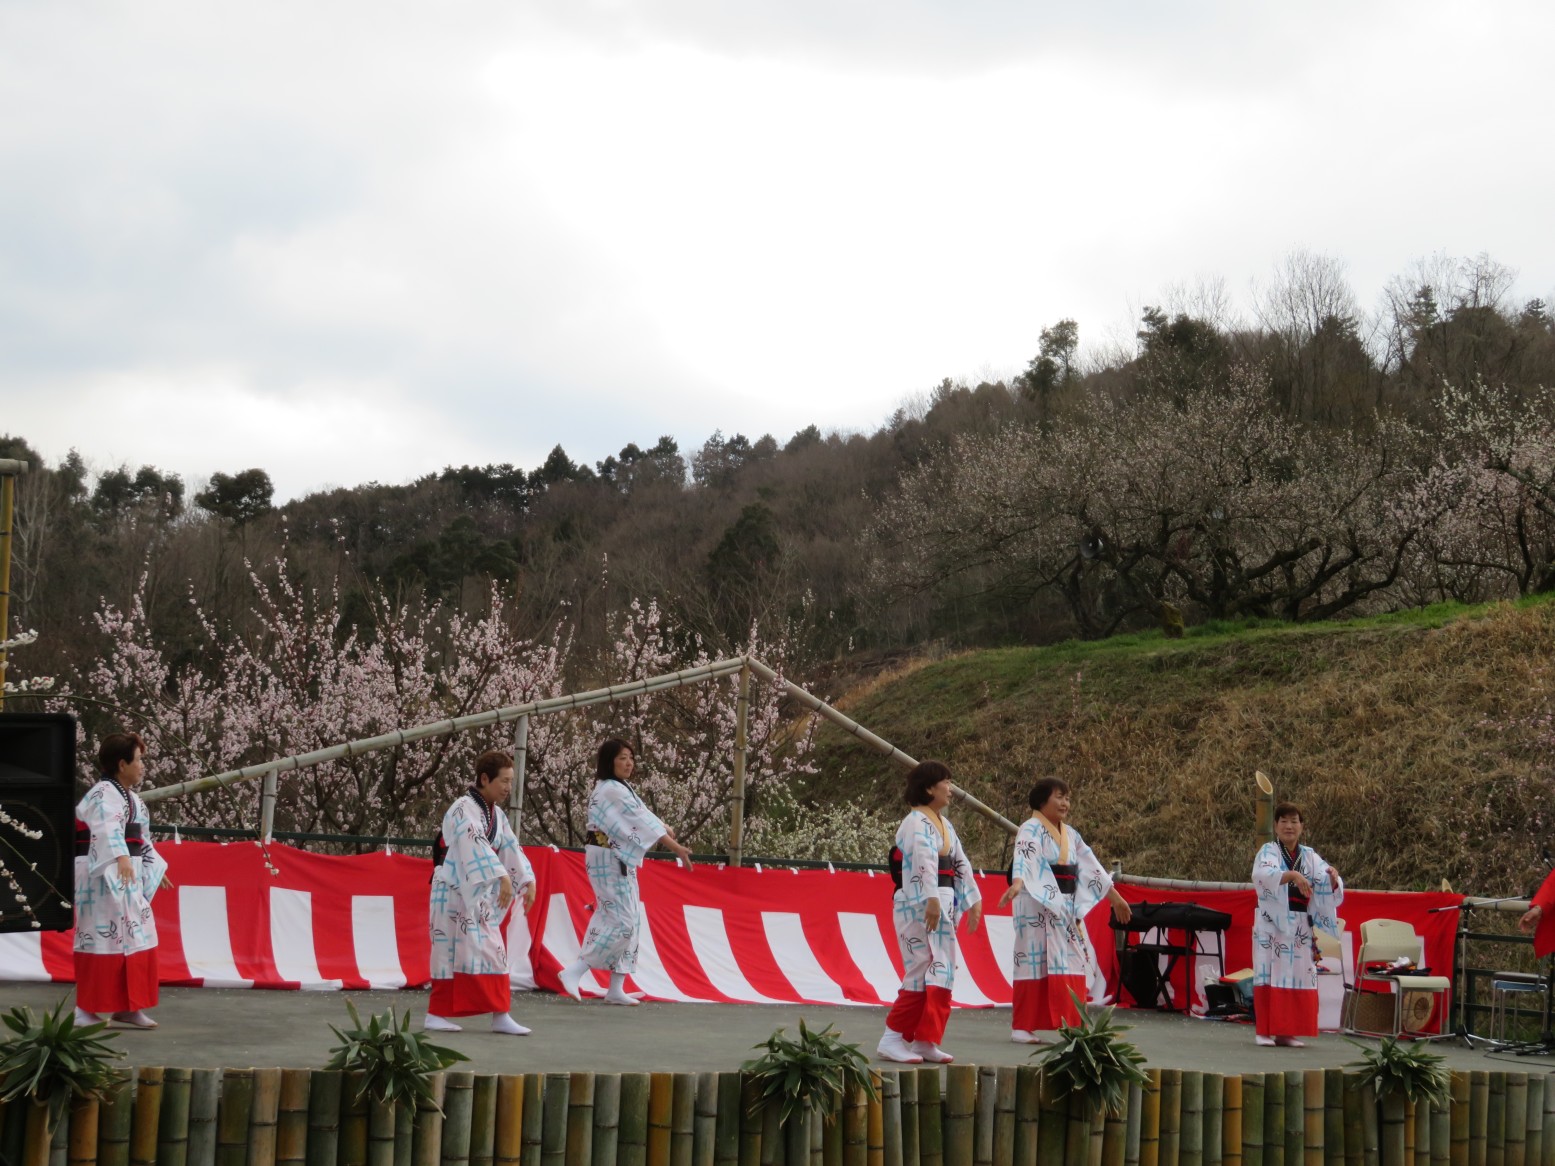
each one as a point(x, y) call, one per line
point(223, 1027)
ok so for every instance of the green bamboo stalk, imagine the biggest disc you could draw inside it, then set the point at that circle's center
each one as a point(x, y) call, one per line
point(427, 1140)
point(1190, 1121)
point(1274, 1120)
point(533, 1135)
point(907, 1085)
point(1534, 1154)
point(1516, 1119)
point(1479, 1115)
point(632, 1135)
point(1409, 1132)
point(1214, 1089)
point(1547, 1149)
point(704, 1142)
point(483, 1119)
point(983, 1119)
point(890, 1118)
point(580, 1120)
point(831, 1140)
point(876, 1146)
point(173, 1122)
point(607, 1117)
point(1354, 1125)
point(1495, 1120)
point(661, 1110)
point(1253, 1112)
point(264, 1116)
point(773, 1146)
point(553, 1119)
point(1114, 1138)
point(237, 1102)
point(1004, 1114)
point(146, 1116)
point(291, 1129)
point(1077, 1130)
point(855, 1128)
point(1420, 1112)
point(1052, 1123)
point(113, 1124)
point(750, 1120)
point(81, 1144)
point(381, 1121)
point(1333, 1117)
point(351, 1150)
point(796, 1138)
point(404, 1132)
point(324, 1088)
point(931, 1118)
point(507, 1126)
point(59, 1140)
point(1370, 1155)
point(1314, 1127)
point(1462, 1103)
point(1295, 1117)
point(458, 1093)
point(37, 1136)
point(683, 1118)
point(1393, 1146)
point(817, 1141)
point(1441, 1134)
point(1231, 1122)
point(1169, 1136)
point(960, 1113)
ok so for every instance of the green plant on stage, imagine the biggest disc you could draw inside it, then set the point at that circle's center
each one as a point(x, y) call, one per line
point(1411, 1070)
point(1092, 1061)
point(396, 1064)
point(52, 1060)
point(810, 1074)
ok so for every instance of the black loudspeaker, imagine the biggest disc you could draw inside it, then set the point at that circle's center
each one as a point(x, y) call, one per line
point(37, 789)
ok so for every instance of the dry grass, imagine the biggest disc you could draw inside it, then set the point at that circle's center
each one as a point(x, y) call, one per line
point(1403, 743)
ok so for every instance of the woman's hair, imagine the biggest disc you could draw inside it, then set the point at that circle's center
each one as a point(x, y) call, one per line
point(491, 763)
point(1289, 810)
point(1044, 789)
point(921, 777)
point(117, 747)
point(605, 770)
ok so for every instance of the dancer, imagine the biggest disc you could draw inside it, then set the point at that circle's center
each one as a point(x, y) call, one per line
point(1297, 891)
point(621, 830)
point(479, 869)
point(1054, 882)
point(933, 888)
point(117, 874)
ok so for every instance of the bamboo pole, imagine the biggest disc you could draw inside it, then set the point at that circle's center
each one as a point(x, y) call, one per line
point(1515, 1119)
point(931, 1117)
point(774, 1146)
point(580, 1120)
point(1114, 1138)
point(831, 1139)
point(1169, 1134)
point(1136, 1107)
point(427, 1140)
point(890, 1118)
point(1441, 1134)
point(483, 1119)
point(1295, 1116)
point(875, 1151)
point(1333, 1117)
point(1077, 1130)
point(173, 1122)
point(1274, 1119)
point(1462, 1089)
point(1534, 1154)
point(484, 720)
point(59, 1140)
point(37, 1136)
point(291, 1130)
point(1495, 1120)
point(324, 1088)
point(751, 1117)
point(737, 787)
point(1479, 1115)
point(381, 1122)
point(553, 1119)
point(145, 1116)
point(1420, 1113)
point(1354, 1133)
point(796, 1139)
point(1263, 807)
point(263, 1117)
point(683, 1118)
point(705, 1131)
point(1004, 1114)
point(113, 1123)
point(1369, 1140)
point(661, 1109)
point(987, 1102)
point(1231, 1122)
point(855, 1128)
point(458, 1090)
point(520, 775)
point(404, 1132)
point(907, 1083)
point(81, 1145)
point(632, 1135)
point(1052, 1123)
point(1190, 1123)
point(1252, 1119)
point(1547, 1151)
point(1393, 1124)
point(237, 1102)
point(1314, 1127)
point(1409, 1132)
point(1214, 1118)
point(533, 1134)
point(607, 1118)
point(507, 1126)
point(352, 1147)
point(960, 1113)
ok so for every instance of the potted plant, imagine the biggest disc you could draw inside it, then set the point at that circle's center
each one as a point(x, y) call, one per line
point(1091, 1068)
point(1397, 1074)
point(51, 1061)
point(809, 1075)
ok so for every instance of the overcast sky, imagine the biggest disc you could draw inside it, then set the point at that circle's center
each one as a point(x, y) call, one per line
point(349, 241)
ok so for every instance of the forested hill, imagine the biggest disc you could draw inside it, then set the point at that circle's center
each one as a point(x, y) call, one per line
point(1422, 747)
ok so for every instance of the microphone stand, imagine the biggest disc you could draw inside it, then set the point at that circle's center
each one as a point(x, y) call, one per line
point(1461, 1029)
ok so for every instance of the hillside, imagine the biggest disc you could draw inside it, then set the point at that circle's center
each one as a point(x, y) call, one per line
point(1414, 741)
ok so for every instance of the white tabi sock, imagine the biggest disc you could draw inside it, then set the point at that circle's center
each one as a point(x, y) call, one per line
point(618, 993)
point(85, 1017)
point(435, 1023)
point(572, 976)
point(505, 1024)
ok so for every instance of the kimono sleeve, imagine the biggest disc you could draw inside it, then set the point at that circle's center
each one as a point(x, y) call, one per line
point(918, 841)
point(966, 886)
point(1094, 883)
point(1034, 868)
point(514, 861)
point(104, 813)
point(152, 865)
point(631, 826)
point(1327, 894)
point(471, 861)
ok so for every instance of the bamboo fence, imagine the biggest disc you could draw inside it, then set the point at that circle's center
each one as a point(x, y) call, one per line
point(957, 1115)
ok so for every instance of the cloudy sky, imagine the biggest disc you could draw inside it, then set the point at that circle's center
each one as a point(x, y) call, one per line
point(350, 241)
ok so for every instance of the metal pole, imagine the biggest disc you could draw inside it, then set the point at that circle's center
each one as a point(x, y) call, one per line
point(9, 468)
point(741, 747)
point(267, 806)
point(520, 757)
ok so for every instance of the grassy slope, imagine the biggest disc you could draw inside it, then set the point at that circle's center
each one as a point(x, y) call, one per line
point(1392, 732)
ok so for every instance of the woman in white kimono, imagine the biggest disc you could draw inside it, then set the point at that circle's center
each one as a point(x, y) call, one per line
point(479, 870)
point(1055, 880)
point(934, 889)
point(620, 832)
point(1297, 891)
point(117, 872)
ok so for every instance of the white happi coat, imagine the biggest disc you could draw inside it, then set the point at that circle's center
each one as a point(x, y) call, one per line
point(113, 918)
point(466, 920)
point(616, 811)
point(929, 958)
point(1282, 938)
point(1050, 936)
